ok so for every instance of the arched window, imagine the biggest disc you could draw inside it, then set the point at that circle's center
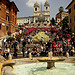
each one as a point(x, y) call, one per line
point(0, 26)
point(46, 8)
point(35, 9)
point(7, 17)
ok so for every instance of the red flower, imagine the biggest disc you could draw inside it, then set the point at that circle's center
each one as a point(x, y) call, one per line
point(60, 33)
point(68, 35)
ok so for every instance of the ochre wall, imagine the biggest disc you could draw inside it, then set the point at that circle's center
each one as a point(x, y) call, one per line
point(11, 23)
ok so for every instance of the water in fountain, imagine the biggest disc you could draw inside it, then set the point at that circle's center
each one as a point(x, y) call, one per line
point(40, 69)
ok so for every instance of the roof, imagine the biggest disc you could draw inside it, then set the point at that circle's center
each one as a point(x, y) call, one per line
point(15, 5)
point(70, 4)
point(24, 17)
point(46, 3)
point(36, 5)
point(63, 11)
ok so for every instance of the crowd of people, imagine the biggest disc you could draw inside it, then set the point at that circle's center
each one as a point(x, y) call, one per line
point(58, 44)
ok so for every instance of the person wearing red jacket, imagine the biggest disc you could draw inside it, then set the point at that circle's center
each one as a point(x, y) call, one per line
point(53, 45)
point(0, 51)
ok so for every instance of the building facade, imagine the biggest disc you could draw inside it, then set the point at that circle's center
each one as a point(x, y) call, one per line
point(22, 20)
point(38, 15)
point(8, 17)
point(60, 16)
point(71, 10)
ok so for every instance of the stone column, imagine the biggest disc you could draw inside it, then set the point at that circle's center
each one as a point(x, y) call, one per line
point(67, 54)
point(10, 57)
point(30, 56)
point(50, 65)
point(50, 54)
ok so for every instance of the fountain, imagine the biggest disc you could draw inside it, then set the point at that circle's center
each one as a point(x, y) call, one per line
point(10, 57)
point(50, 60)
point(40, 68)
point(4, 64)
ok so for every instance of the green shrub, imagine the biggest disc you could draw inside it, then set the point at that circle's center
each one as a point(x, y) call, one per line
point(9, 33)
point(10, 39)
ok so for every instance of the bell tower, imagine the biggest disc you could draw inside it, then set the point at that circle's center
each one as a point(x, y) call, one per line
point(47, 11)
point(46, 6)
point(36, 7)
point(36, 11)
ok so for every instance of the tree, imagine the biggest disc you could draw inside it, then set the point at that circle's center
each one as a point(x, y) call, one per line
point(61, 9)
point(65, 22)
point(53, 21)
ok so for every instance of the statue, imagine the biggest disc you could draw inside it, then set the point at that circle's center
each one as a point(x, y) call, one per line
point(67, 54)
point(50, 54)
point(10, 57)
point(30, 56)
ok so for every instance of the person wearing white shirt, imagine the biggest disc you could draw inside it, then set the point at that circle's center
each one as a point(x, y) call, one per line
point(6, 52)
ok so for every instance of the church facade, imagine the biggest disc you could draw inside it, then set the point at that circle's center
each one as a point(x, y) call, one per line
point(39, 15)
point(42, 15)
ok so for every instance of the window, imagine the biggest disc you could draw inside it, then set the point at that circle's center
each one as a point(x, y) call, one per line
point(6, 27)
point(46, 8)
point(70, 20)
point(0, 26)
point(7, 17)
point(35, 9)
point(13, 18)
point(0, 6)
point(0, 3)
point(74, 6)
point(7, 7)
point(74, 18)
point(15, 13)
point(69, 10)
point(13, 9)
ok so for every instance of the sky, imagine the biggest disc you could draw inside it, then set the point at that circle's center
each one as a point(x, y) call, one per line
point(26, 6)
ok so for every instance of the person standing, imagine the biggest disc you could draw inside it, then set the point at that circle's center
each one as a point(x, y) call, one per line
point(24, 43)
point(53, 45)
point(28, 40)
point(0, 51)
point(6, 52)
point(49, 44)
point(15, 52)
point(0, 42)
point(4, 41)
point(23, 51)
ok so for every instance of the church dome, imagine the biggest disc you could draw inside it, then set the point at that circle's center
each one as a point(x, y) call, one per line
point(46, 3)
point(36, 5)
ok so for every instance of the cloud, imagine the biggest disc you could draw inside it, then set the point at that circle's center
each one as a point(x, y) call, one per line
point(30, 3)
